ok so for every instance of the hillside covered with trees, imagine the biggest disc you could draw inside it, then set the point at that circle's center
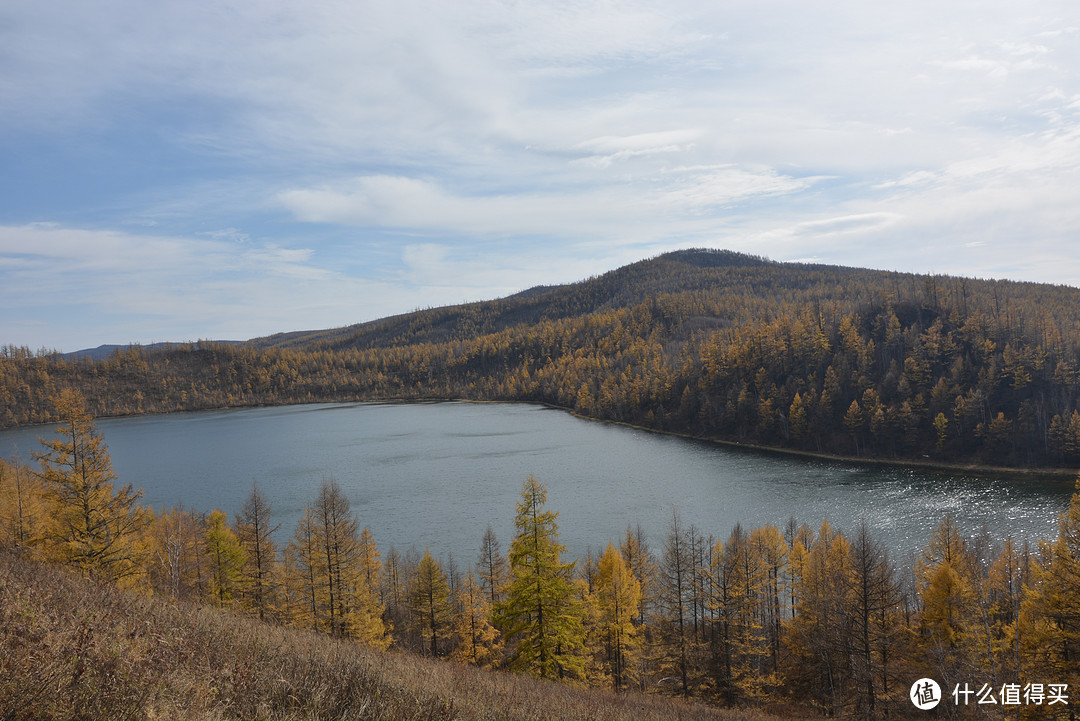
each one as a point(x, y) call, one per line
point(713, 344)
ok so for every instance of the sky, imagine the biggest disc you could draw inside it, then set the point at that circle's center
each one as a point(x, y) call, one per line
point(186, 169)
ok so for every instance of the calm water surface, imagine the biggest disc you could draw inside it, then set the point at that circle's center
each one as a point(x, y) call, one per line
point(435, 474)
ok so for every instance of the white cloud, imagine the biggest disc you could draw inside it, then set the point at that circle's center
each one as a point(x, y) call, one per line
point(145, 288)
point(70, 288)
point(457, 277)
point(663, 205)
point(707, 189)
point(845, 224)
point(857, 133)
point(609, 149)
point(468, 90)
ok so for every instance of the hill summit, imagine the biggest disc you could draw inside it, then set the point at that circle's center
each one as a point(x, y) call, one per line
point(709, 343)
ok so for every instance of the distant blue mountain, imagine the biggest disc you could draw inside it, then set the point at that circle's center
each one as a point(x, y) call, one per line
point(104, 351)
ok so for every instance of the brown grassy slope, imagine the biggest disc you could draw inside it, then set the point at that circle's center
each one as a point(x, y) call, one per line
point(70, 649)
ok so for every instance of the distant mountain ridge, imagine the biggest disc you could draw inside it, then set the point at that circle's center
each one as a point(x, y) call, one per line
point(712, 344)
point(619, 288)
point(104, 351)
point(529, 305)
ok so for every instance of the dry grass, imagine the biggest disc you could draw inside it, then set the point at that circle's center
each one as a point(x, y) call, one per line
point(72, 650)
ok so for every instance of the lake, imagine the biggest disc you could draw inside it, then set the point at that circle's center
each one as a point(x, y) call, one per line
point(436, 474)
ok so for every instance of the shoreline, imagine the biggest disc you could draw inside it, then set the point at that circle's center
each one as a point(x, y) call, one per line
point(929, 466)
point(1050, 474)
point(1060, 475)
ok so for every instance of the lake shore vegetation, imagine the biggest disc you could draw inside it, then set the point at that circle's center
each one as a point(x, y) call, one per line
point(210, 620)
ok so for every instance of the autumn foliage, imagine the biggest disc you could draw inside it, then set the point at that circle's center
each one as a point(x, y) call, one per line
point(800, 619)
point(713, 344)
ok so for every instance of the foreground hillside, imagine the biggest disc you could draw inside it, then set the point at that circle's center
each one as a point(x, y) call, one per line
point(73, 649)
point(712, 344)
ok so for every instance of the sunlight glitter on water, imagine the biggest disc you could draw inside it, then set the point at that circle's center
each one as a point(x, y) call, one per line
point(435, 474)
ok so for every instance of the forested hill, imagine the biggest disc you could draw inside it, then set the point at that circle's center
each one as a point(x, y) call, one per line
point(710, 343)
point(622, 288)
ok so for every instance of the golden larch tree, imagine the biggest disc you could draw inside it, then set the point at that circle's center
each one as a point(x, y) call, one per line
point(1052, 608)
point(476, 641)
point(430, 602)
point(226, 558)
point(541, 614)
point(94, 526)
point(617, 597)
point(255, 532)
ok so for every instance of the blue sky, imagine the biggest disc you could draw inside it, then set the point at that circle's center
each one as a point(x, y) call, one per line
point(183, 170)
